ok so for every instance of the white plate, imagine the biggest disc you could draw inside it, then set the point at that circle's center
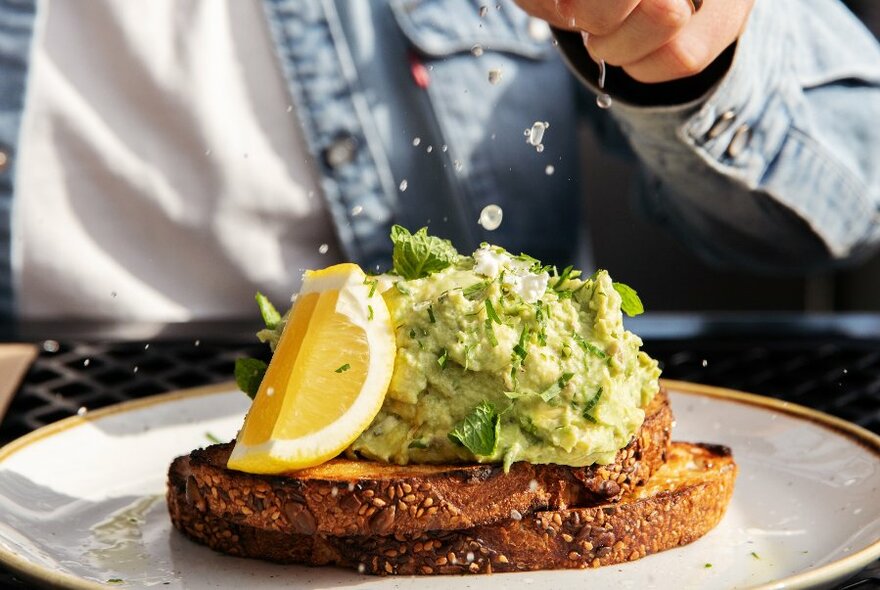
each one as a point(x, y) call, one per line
point(81, 503)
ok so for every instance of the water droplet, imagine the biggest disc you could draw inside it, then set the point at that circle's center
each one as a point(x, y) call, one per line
point(484, 10)
point(417, 141)
point(490, 217)
point(403, 185)
point(146, 346)
point(322, 249)
point(361, 568)
point(270, 391)
point(705, 363)
point(311, 194)
point(135, 370)
point(82, 411)
point(112, 293)
point(498, 6)
point(444, 147)
point(289, 108)
point(477, 50)
point(554, 43)
point(549, 170)
point(603, 101)
point(539, 148)
point(51, 346)
point(470, 556)
point(457, 165)
point(86, 362)
point(357, 210)
point(495, 76)
point(535, 133)
point(197, 342)
point(429, 149)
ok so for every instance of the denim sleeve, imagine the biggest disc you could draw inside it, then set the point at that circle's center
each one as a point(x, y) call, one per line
point(777, 167)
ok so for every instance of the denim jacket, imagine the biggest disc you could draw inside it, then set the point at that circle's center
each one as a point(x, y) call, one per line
point(776, 167)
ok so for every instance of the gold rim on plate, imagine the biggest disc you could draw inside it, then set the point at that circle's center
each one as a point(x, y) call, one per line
point(825, 573)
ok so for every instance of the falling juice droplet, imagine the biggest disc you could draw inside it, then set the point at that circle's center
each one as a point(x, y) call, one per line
point(490, 217)
point(323, 248)
point(603, 101)
point(477, 50)
point(403, 185)
point(86, 363)
point(429, 149)
point(484, 10)
point(549, 170)
point(539, 148)
point(416, 141)
point(535, 134)
point(357, 210)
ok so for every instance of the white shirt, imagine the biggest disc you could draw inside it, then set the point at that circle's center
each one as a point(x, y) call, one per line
point(162, 173)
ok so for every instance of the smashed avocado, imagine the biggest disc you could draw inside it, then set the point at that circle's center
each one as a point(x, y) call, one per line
point(501, 359)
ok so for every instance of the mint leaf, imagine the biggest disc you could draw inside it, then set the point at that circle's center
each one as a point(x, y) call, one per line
point(471, 292)
point(418, 255)
point(479, 431)
point(249, 374)
point(630, 303)
point(271, 317)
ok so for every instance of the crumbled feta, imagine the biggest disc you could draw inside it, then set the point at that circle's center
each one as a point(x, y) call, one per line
point(532, 286)
point(489, 261)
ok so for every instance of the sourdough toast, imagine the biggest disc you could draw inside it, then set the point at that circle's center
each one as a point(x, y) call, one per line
point(682, 501)
point(344, 497)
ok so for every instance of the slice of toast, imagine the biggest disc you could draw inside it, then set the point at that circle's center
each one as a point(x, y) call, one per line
point(682, 501)
point(344, 497)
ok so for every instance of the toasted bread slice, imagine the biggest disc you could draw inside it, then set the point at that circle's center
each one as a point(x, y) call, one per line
point(344, 497)
point(685, 499)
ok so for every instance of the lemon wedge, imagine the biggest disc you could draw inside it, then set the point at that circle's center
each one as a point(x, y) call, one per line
point(327, 378)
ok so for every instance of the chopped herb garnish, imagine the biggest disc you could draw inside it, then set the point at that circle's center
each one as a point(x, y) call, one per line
point(418, 255)
point(373, 284)
point(520, 348)
point(588, 347)
point(441, 360)
point(343, 368)
point(474, 291)
point(249, 374)
point(479, 431)
point(708, 565)
point(412, 333)
point(755, 555)
point(555, 389)
point(490, 333)
point(401, 288)
point(212, 439)
point(563, 277)
point(369, 312)
point(431, 314)
point(591, 405)
point(630, 303)
point(270, 315)
point(115, 581)
point(490, 312)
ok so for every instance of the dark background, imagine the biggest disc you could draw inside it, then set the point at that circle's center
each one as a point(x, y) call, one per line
point(670, 278)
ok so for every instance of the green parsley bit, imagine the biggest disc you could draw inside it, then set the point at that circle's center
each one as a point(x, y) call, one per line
point(441, 360)
point(589, 348)
point(343, 368)
point(369, 312)
point(708, 565)
point(211, 438)
point(431, 314)
point(373, 284)
point(755, 555)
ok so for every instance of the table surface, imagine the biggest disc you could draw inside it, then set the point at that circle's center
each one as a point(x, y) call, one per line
point(830, 363)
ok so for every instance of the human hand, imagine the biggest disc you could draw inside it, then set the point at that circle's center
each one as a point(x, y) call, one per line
point(652, 40)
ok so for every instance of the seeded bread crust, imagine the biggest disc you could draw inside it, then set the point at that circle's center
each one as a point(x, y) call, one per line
point(685, 499)
point(346, 498)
